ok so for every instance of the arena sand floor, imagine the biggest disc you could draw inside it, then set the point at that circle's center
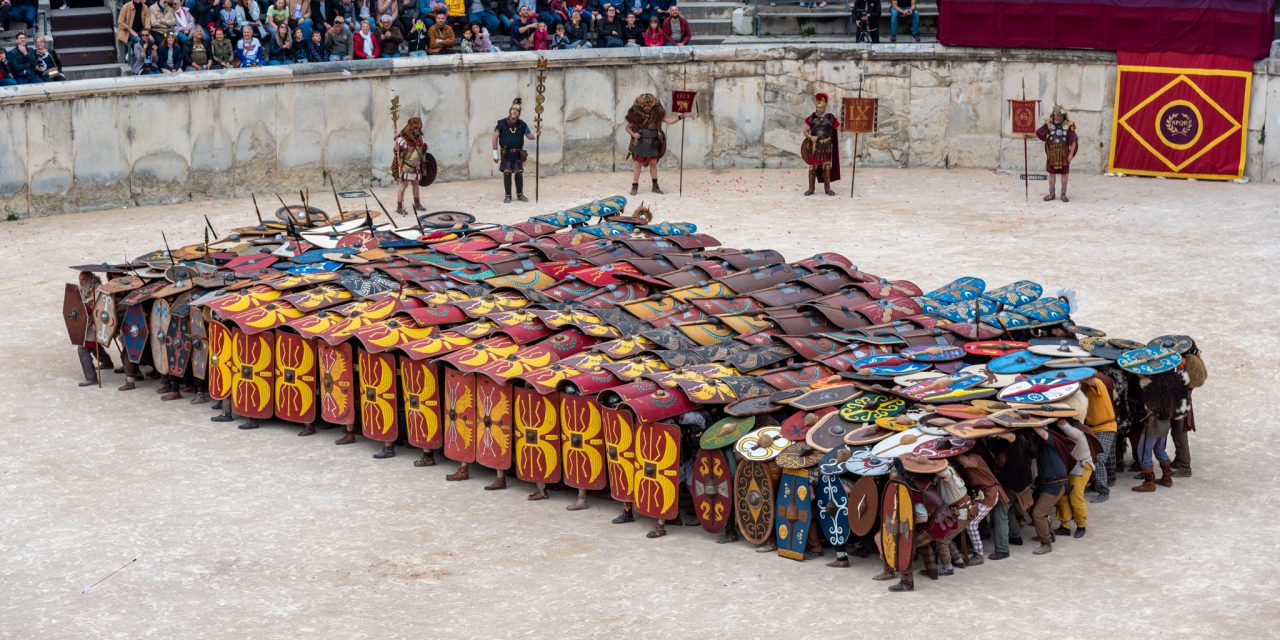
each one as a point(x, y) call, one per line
point(263, 534)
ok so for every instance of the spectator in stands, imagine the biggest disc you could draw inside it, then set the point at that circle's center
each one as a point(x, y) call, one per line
point(409, 12)
point(229, 18)
point(198, 56)
point(440, 37)
point(163, 18)
point(480, 40)
point(184, 23)
point(221, 52)
point(559, 9)
point(417, 39)
point(522, 30)
point(298, 50)
point(347, 10)
point(203, 12)
point(278, 46)
point(653, 36)
point(641, 9)
point(249, 51)
point(300, 16)
point(6, 74)
point(389, 38)
point(541, 37)
point(316, 51)
point(338, 40)
point(364, 44)
point(249, 15)
point(322, 14)
point(676, 28)
point(146, 54)
point(133, 19)
point(578, 6)
point(277, 14)
point(170, 54)
point(578, 32)
point(866, 20)
point(559, 39)
point(632, 32)
point(609, 30)
point(48, 64)
point(6, 7)
point(364, 13)
point(480, 13)
point(662, 8)
point(904, 8)
point(385, 7)
point(24, 11)
point(22, 61)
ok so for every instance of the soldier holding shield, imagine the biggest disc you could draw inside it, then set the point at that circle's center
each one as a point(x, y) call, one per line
point(820, 148)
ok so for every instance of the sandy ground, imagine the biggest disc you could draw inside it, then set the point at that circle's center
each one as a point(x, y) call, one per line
point(261, 534)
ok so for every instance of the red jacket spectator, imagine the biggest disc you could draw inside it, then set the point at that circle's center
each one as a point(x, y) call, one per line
point(677, 34)
point(359, 40)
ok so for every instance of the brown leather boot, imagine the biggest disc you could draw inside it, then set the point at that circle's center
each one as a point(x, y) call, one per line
point(1148, 481)
point(908, 583)
point(813, 176)
point(462, 473)
point(172, 395)
point(1166, 475)
point(308, 430)
point(347, 438)
point(428, 459)
point(499, 483)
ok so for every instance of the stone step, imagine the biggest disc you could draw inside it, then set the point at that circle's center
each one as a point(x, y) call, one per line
point(708, 10)
point(82, 4)
point(711, 27)
point(86, 72)
point(705, 39)
point(84, 18)
point(79, 38)
point(82, 56)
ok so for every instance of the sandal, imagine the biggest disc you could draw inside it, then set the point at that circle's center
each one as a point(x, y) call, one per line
point(581, 505)
point(427, 460)
point(657, 532)
point(536, 495)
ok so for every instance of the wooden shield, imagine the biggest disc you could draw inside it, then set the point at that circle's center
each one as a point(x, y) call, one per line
point(337, 383)
point(105, 319)
point(620, 452)
point(712, 489)
point(537, 436)
point(379, 408)
point(896, 522)
point(792, 513)
point(493, 423)
point(420, 388)
point(177, 341)
point(753, 501)
point(657, 478)
point(221, 360)
point(74, 314)
point(295, 378)
point(198, 328)
point(582, 443)
point(459, 415)
point(832, 502)
point(133, 332)
point(864, 505)
point(251, 370)
point(160, 316)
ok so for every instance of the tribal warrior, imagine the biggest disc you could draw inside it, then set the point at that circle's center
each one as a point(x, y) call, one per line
point(510, 134)
point(1060, 146)
point(648, 143)
point(821, 146)
point(409, 163)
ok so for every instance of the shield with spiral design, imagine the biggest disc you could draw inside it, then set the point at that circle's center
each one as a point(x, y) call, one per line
point(753, 501)
point(712, 489)
point(832, 501)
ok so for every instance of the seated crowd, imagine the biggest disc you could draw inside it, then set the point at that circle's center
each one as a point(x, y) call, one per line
point(172, 36)
point(25, 64)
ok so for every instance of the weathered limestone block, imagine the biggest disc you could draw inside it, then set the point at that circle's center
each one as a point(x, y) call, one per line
point(159, 146)
point(14, 166)
point(347, 133)
point(253, 113)
point(738, 112)
point(212, 139)
point(927, 126)
point(593, 115)
point(49, 149)
point(101, 157)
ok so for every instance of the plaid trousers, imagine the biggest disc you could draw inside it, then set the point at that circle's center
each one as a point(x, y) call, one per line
point(974, 537)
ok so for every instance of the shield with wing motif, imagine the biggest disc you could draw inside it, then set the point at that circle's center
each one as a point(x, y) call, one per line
point(537, 436)
point(582, 444)
point(252, 368)
point(337, 383)
point(493, 423)
point(221, 360)
point(712, 489)
point(459, 415)
point(657, 476)
point(379, 408)
point(420, 387)
point(619, 442)
point(295, 378)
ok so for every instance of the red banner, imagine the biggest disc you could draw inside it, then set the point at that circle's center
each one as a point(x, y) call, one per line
point(1181, 115)
point(1022, 116)
point(682, 101)
point(859, 114)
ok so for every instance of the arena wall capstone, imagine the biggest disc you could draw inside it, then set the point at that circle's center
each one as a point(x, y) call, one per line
point(115, 142)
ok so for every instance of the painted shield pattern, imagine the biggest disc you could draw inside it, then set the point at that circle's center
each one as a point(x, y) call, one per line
point(105, 320)
point(864, 505)
point(619, 443)
point(251, 370)
point(177, 340)
point(582, 444)
point(221, 360)
point(459, 415)
point(896, 523)
point(420, 389)
point(753, 501)
point(133, 332)
point(379, 406)
point(537, 436)
point(712, 489)
point(198, 327)
point(74, 314)
point(295, 378)
point(160, 316)
point(337, 383)
point(832, 502)
point(493, 423)
point(793, 512)
point(657, 478)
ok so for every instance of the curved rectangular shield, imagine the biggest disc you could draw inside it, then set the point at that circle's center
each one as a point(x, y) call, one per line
point(420, 388)
point(582, 446)
point(657, 477)
point(493, 423)
point(459, 415)
point(792, 513)
point(295, 378)
point(379, 407)
point(620, 452)
point(337, 383)
point(252, 368)
point(537, 436)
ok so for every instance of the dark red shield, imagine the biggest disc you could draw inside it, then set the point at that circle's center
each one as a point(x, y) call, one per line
point(420, 388)
point(493, 423)
point(459, 415)
point(337, 383)
point(657, 479)
point(537, 436)
point(712, 489)
point(620, 451)
point(379, 409)
point(582, 430)
point(251, 370)
point(295, 378)
point(74, 314)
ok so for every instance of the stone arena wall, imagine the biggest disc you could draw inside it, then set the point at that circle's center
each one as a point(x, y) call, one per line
point(95, 144)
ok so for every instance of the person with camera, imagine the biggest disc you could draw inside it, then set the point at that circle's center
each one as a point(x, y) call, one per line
point(866, 20)
point(146, 54)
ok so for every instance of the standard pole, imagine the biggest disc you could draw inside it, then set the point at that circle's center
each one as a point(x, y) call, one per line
point(682, 122)
point(853, 166)
point(1026, 174)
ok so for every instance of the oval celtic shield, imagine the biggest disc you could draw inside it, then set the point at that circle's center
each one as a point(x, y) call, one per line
point(753, 501)
point(896, 523)
point(833, 509)
point(133, 332)
point(106, 322)
point(864, 505)
point(712, 489)
point(160, 317)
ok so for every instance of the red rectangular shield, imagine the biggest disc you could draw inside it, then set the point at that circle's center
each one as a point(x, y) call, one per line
point(657, 477)
point(420, 388)
point(537, 436)
point(459, 415)
point(859, 114)
point(493, 423)
point(682, 101)
point(251, 371)
point(337, 383)
point(1181, 115)
point(379, 406)
point(1023, 117)
point(620, 451)
point(295, 378)
point(220, 360)
point(582, 444)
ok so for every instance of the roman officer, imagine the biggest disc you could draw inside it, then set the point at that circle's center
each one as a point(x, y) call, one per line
point(508, 150)
point(648, 142)
point(1060, 146)
point(409, 162)
point(820, 149)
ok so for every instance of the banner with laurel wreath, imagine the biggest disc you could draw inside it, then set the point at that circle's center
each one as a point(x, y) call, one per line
point(1181, 115)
